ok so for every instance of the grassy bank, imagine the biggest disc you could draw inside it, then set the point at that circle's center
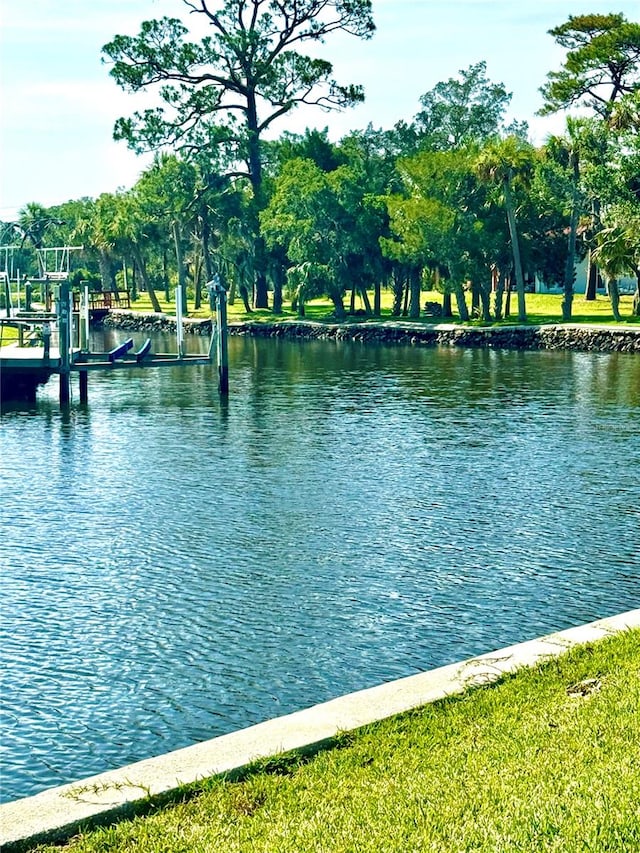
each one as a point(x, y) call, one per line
point(8, 335)
point(546, 760)
point(541, 308)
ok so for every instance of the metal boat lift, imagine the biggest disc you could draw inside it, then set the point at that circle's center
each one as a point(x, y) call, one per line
point(57, 343)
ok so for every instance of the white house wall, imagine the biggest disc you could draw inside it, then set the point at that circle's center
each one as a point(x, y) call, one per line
point(627, 284)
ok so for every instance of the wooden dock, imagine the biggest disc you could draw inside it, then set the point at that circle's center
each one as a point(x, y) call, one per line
point(24, 368)
point(16, 357)
point(30, 361)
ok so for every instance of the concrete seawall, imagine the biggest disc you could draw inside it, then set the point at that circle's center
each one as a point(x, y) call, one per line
point(59, 812)
point(577, 337)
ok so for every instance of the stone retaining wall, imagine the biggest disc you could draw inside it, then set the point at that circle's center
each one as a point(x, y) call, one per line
point(584, 338)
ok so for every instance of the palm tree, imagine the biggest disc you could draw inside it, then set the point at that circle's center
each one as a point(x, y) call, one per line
point(91, 229)
point(501, 163)
point(572, 144)
point(34, 220)
point(614, 255)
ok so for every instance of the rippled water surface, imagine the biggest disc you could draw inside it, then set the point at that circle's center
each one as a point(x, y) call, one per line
point(173, 568)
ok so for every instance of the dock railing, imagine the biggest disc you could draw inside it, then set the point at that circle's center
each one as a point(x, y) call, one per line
point(104, 300)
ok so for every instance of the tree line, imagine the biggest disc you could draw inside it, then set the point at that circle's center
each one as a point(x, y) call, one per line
point(454, 199)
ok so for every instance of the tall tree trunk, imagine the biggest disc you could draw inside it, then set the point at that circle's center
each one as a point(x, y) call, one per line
point(182, 279)
point(106, 271)
point(142, 269)
point(244, 295)
point(570, 267)
point(205, 238)
point(485, 300)
point(278, 279)
point(338, 305)
point(461, 302)
point(614, 296)
point(261, 299)
point(507, 300)
point(515, 248)
point(365, 301)
point(231, 298)
point(592, 279)
point(447, 308)
point(406, 282)
point(414, 287)
point(499, 295)
point(377, 298)
point(592, 269)
point(475, 298)
point(134, 280)
point(261, 291)
point(636, 296)
point(398, 289)
point(198, 267)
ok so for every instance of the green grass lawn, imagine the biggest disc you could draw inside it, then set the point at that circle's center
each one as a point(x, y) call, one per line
point(8, 335)
point(541, 308)
point(545, 760)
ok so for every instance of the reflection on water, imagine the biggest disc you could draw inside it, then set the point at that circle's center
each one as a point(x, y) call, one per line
point(174, 567)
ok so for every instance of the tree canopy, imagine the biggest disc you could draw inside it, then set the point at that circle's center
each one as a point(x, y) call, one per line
point(221, 94)
point(455, 199)
point(602, 63)
point(462, 110)
point(230, 87)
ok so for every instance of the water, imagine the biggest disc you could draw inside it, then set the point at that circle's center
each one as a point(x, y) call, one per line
point(174, 568)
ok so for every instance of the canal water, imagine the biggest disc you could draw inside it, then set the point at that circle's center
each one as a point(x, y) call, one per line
point(173, 568)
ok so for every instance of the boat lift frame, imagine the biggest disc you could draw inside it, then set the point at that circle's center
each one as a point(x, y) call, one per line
point(34, 365)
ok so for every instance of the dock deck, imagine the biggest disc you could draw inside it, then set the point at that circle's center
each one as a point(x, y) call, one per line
point(30, 361)
point(15, 357)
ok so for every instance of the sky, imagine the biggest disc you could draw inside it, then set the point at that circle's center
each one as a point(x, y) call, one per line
point(58, 104)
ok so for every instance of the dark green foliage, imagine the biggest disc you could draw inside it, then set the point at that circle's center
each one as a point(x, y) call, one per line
point(80, 277)
point(462, 110)
point(312, 145)
point(221, 94)
point(210, 89)
point(602, 63)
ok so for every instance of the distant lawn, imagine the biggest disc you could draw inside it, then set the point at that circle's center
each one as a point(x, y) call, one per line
point(8, 335)
point(545, 760)
point(541, 308)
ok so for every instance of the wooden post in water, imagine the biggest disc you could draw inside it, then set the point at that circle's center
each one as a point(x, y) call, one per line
point(179, 329)
point(223, 350)
point(64, 340)
point(218, 299)
point(83, 376)
point(84, 319)
point(83, 382)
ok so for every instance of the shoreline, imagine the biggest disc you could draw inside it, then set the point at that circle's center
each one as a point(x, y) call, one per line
point(55, 814)
point(576, 337)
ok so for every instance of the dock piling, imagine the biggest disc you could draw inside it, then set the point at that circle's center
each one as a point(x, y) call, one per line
point(179, 328)
point(64, 344)
point(83, 384)
point(218, 299)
